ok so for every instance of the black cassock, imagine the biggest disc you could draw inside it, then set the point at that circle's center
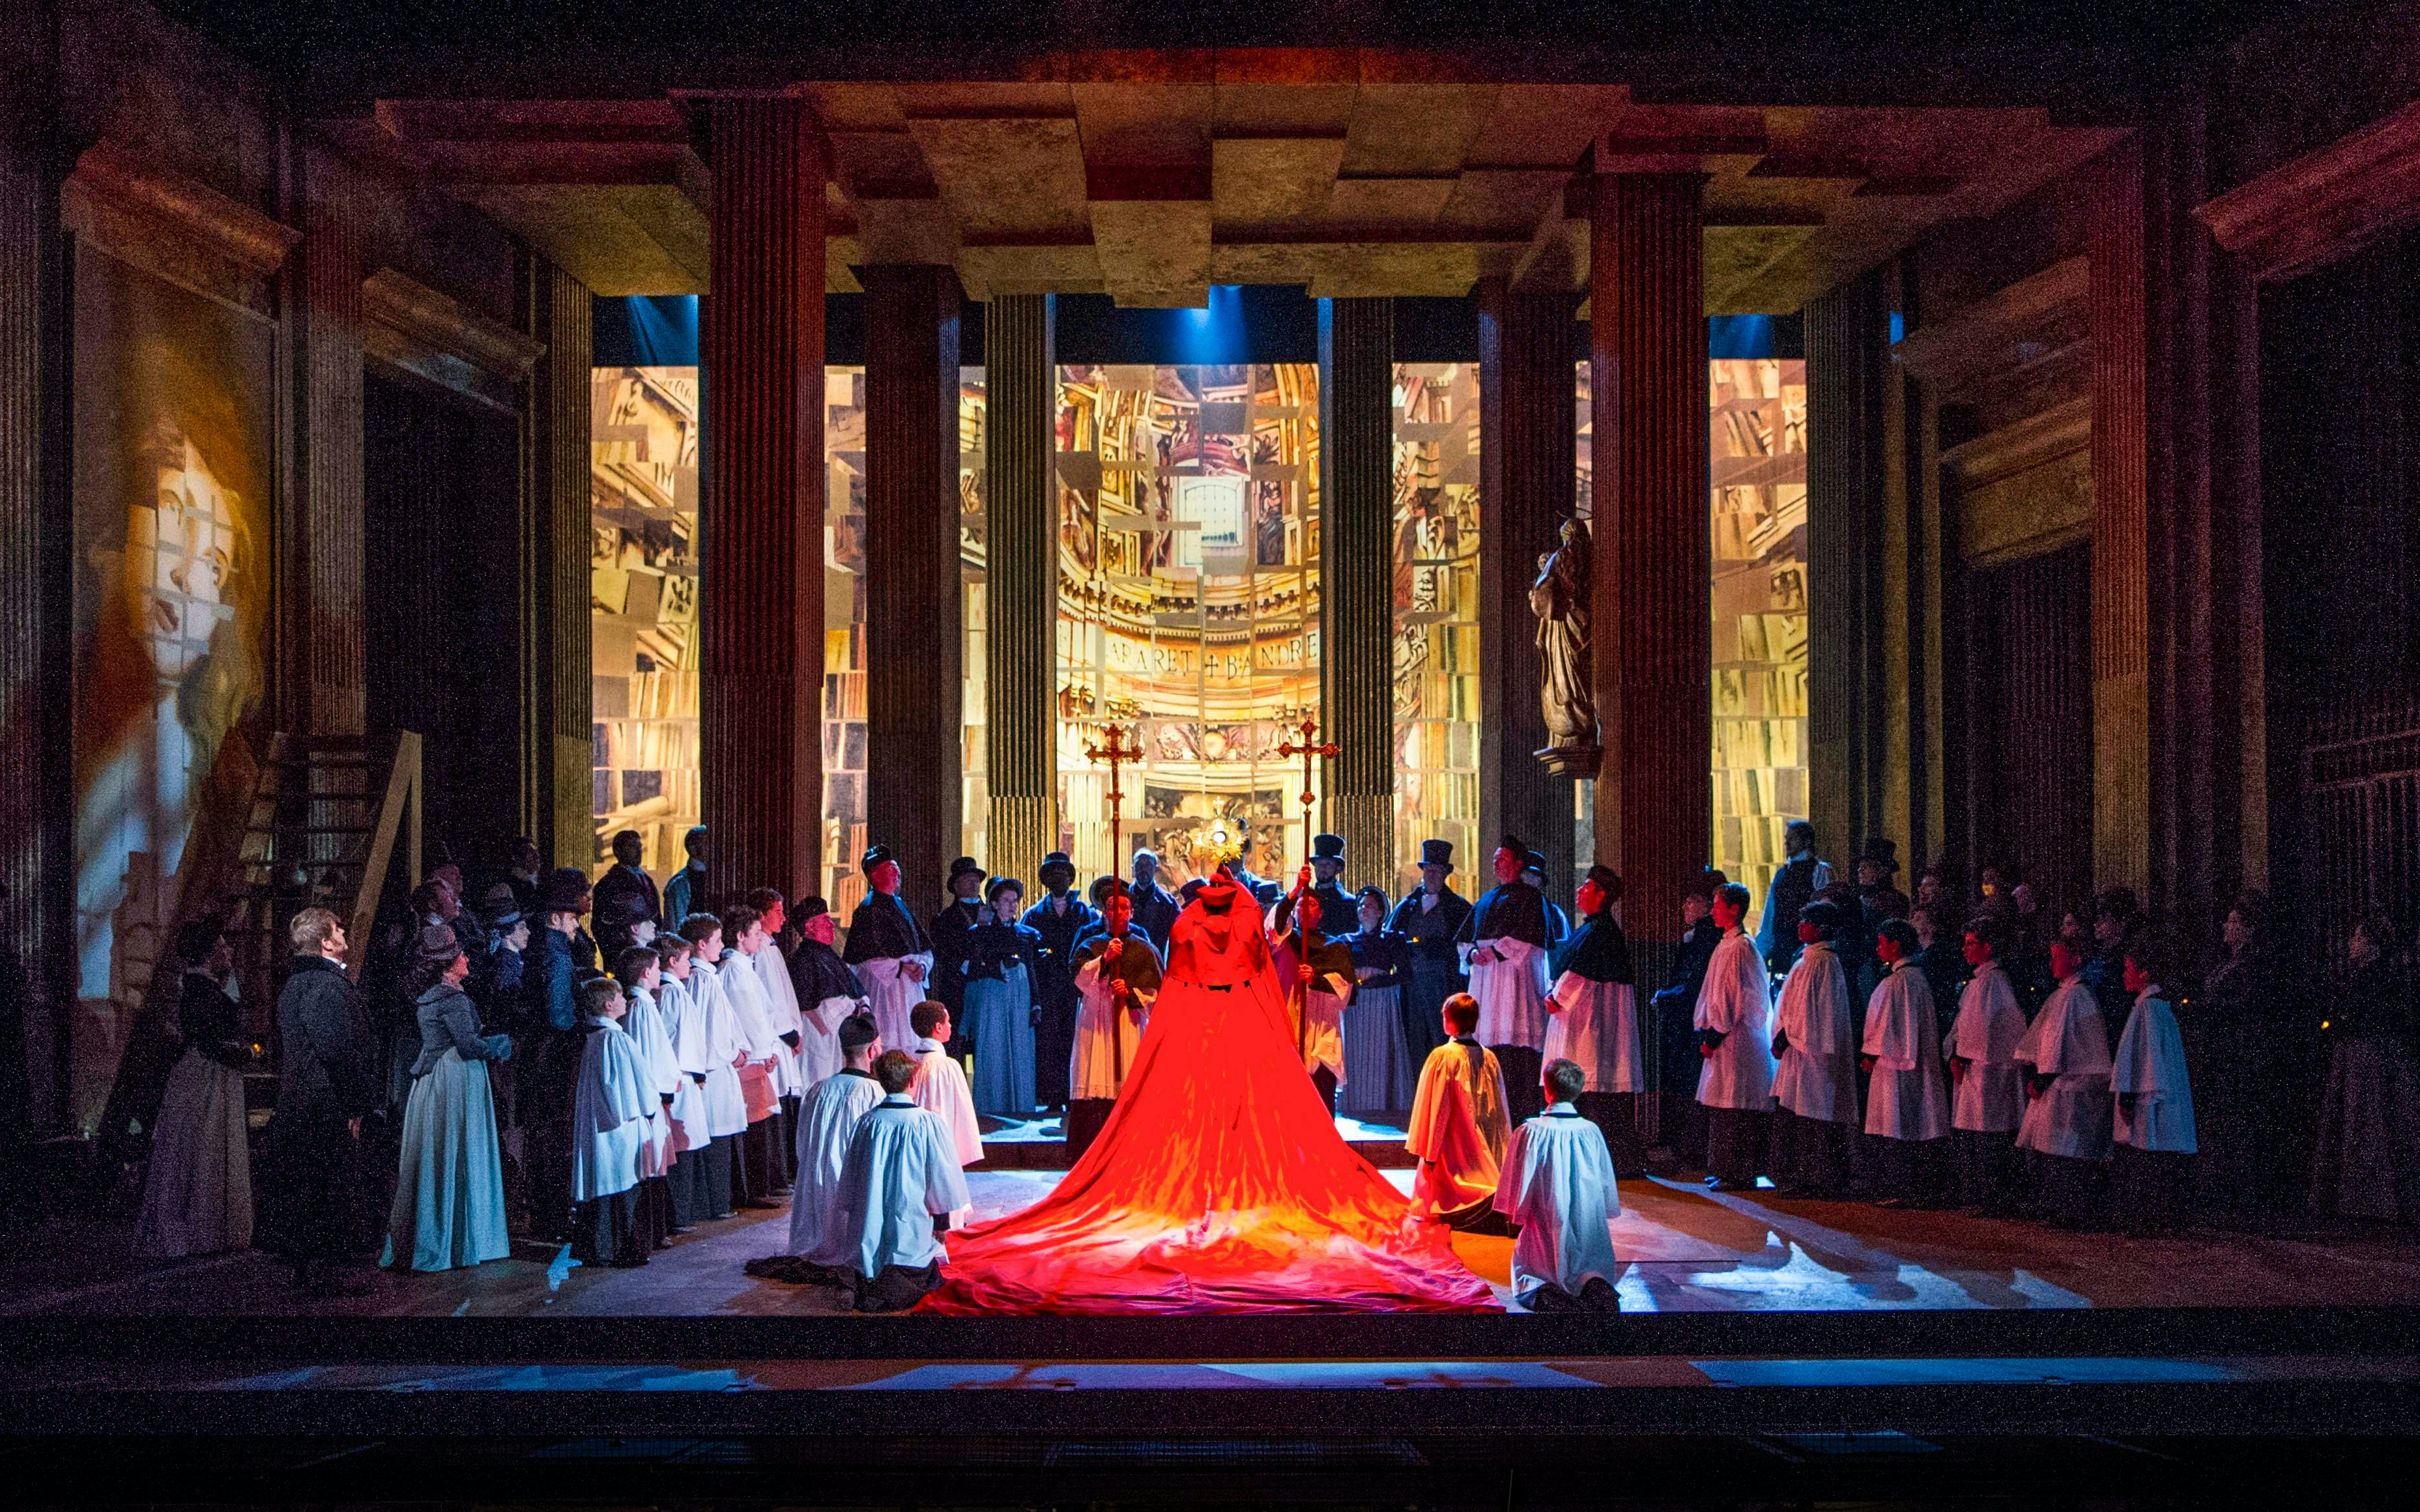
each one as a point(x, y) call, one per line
point(1054, 991)
point(883, 930)
point(817, 973)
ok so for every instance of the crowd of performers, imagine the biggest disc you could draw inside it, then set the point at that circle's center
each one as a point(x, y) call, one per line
point(607, 1066)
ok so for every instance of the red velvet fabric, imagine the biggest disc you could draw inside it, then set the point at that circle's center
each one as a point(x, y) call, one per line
point(1220, 1183)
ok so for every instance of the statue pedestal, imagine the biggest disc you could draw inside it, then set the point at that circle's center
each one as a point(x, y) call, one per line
point(1572, 761)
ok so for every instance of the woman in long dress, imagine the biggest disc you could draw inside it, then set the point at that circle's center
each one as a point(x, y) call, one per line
point(1219, 1183)
point(1000, 1002)
point(197, 1194)
point(449, 1191)
point(2368, 1162)
point(1378, 1076)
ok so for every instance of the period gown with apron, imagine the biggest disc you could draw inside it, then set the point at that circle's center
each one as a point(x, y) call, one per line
point(198, 1194)
point(449, 1194)
point(1000, 1011)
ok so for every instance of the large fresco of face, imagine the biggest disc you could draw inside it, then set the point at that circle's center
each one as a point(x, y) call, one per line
point(173, 436)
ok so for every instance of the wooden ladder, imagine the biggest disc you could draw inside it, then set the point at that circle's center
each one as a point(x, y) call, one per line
point(322, 831)
point(315, 823)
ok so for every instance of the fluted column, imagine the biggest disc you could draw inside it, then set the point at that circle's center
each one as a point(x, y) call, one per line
point(557, 798)
point(1356, 391)
point(2123, 402)
point(36, 812)
point(1021, 569)
point(1845, 373)
point(1653, 552)
point(763, 507)
point(1525, 492)
point(329, 676)
point(914, 619)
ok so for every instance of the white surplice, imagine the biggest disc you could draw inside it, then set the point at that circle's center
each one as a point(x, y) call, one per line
point(828, 1122)
point(898, 1174)
point(1736, 1003)
point(790, 1078)
point(1511, 993)
point(940, 1088)
point(1459, 1128)
point(1905, 1100)
point(893, 995)
point(2150, 1064)
point(1817, 1076)
point(2068, 1040)
point(645, 1024)
point(1594, 1024)
point(1990, 1097)
point(688, 1114)
point(612, 1113)
point(1558, 1186)
point(1108, 1038)
point(707, 1041)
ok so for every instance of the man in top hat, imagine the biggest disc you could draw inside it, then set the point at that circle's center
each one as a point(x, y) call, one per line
point(954, 930)
point(624, 896)
point(1061, 919)
point(1430, 917)
point(1336, 906)
point(1504, 943)
point(681, 894)
point(893, 954)
point(1878, 899)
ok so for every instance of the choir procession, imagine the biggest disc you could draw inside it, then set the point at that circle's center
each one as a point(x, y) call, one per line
point(736, 1061)
point(1058, 754)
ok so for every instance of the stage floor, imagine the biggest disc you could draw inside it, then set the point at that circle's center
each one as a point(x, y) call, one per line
point(1688, 1251)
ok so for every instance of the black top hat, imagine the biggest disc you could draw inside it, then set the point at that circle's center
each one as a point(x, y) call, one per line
point(1607, 880)
point(997, 885)
point(1056, 861)
point(965, 866)
point(874, 856)
point(1533, 861)
point(565, 889)
point(1438, 853)
point(1327, 847)
point(1882, 853)
point(811, 906)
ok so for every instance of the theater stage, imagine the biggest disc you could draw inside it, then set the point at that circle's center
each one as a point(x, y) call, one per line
point(1688, 1251)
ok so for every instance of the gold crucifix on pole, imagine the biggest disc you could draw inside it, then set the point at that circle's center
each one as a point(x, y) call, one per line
point(1116, 754)
point(1307, 749)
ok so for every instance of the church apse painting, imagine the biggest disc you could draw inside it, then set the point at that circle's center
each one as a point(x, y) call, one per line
point(173, 438)
point(1188, 602)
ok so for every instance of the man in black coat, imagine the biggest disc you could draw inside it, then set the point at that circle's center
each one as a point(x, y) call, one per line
point(1061, 919)
point(624, 896)
point(1155, 907)
point(1676, 1006)
point(326, 1086)
point(1430, 918)
point(953, 930)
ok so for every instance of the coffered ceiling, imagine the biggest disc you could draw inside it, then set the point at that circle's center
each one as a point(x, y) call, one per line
point(1150, 175)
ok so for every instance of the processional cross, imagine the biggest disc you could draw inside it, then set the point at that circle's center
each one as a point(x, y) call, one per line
point(1116, 755)
point(1307, 749)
